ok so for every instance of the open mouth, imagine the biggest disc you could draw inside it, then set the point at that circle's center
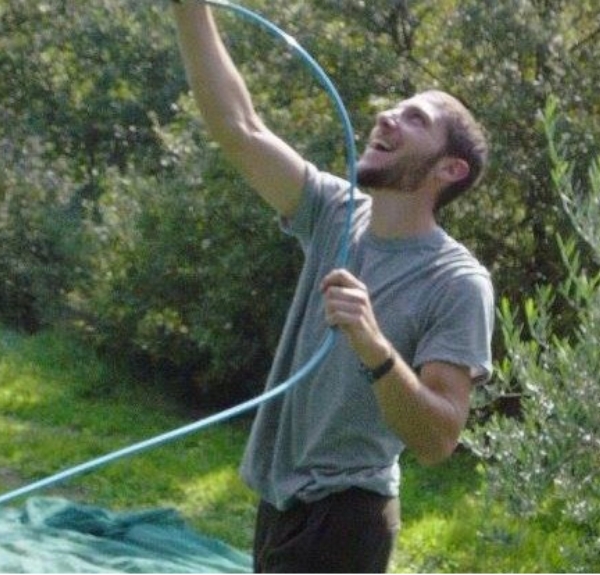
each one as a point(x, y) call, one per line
point(380, 145)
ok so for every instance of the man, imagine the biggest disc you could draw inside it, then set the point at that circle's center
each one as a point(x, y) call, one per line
point(415, 311)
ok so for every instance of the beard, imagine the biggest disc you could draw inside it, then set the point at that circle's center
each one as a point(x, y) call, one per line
point(405, 176)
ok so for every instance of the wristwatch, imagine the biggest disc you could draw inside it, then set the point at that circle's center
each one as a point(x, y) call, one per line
point(378, 372)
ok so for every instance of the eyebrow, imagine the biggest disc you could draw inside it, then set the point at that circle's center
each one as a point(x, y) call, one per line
point(412, 108)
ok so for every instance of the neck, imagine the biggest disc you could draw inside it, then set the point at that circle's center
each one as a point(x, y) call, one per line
point(400, 215)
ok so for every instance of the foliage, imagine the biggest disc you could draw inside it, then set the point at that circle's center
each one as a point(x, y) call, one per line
point(118, 218)
point(544, 463)
point(181, 272)
point(35, 232)
point(452, 524)
point(83, 78)
point(77, 86)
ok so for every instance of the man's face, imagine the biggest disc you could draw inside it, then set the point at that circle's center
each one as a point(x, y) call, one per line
point(405, 143)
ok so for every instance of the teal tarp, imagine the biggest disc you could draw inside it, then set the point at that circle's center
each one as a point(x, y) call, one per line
point(53, 535)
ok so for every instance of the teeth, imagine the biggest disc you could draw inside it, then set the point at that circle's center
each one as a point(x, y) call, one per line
point(381, 145)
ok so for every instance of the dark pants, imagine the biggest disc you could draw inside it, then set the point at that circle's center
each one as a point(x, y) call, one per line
point(349, 532)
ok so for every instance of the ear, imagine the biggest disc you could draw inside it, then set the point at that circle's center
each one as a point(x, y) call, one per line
point(452, 169)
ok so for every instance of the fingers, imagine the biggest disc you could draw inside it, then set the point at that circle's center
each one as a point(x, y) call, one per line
point(346, 299)
point(342, 310)
point(341, 278)
point(348, 306)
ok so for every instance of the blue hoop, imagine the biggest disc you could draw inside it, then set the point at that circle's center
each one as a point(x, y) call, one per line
point(329, 340)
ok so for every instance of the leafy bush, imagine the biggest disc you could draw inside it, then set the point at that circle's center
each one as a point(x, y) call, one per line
point(545, 462)
point(84, 76)
point(36, 231)
point(187, 271)
point(78, 85)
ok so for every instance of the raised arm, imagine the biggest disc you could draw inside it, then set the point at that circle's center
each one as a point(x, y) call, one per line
point(273, 168)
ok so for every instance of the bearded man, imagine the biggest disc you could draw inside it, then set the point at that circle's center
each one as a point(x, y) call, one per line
point(415, 309)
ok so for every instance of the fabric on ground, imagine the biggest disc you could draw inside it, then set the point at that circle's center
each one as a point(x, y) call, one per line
point(53, 535)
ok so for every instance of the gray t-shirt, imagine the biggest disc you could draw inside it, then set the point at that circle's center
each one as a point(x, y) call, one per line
point(432, 300)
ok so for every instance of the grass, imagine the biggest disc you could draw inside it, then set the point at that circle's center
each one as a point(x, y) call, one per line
point(60, 405)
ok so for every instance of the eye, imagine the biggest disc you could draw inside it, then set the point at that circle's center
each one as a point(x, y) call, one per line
point(416, 117)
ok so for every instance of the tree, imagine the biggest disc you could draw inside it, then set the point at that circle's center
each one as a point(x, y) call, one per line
point(544, 462)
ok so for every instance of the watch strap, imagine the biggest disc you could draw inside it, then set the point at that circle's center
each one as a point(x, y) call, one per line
point(378, 372)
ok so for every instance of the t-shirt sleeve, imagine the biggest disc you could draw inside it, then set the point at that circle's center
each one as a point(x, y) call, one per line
point(322, 205)
point(461, 326)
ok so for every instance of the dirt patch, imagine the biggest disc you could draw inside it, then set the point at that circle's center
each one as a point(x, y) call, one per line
point(11, 480)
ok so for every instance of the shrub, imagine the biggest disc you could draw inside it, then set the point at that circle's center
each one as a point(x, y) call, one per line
point(544, 463)
point(36, 233)
point(188, 271)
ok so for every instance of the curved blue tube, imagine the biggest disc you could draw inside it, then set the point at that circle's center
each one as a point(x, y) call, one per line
point(331, 335)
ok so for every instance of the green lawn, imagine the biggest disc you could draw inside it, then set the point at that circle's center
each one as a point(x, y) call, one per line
point(60, 406)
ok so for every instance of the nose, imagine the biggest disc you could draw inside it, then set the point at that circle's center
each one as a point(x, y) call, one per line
point(387, 119)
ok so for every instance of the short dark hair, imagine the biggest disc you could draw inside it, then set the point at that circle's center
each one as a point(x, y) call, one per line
point(466, 139)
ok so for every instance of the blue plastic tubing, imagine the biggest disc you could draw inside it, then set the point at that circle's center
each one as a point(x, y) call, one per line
point(329, 339)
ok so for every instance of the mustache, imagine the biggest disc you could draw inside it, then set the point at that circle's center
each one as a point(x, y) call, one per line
point(405, 175)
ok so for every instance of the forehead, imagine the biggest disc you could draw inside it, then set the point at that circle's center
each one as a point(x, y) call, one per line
point(424, 102)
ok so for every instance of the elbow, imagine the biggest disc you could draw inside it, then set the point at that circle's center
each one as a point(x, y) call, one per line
point(239, 139)
point(234, 135)
point(435, 452)
point(429, 446)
